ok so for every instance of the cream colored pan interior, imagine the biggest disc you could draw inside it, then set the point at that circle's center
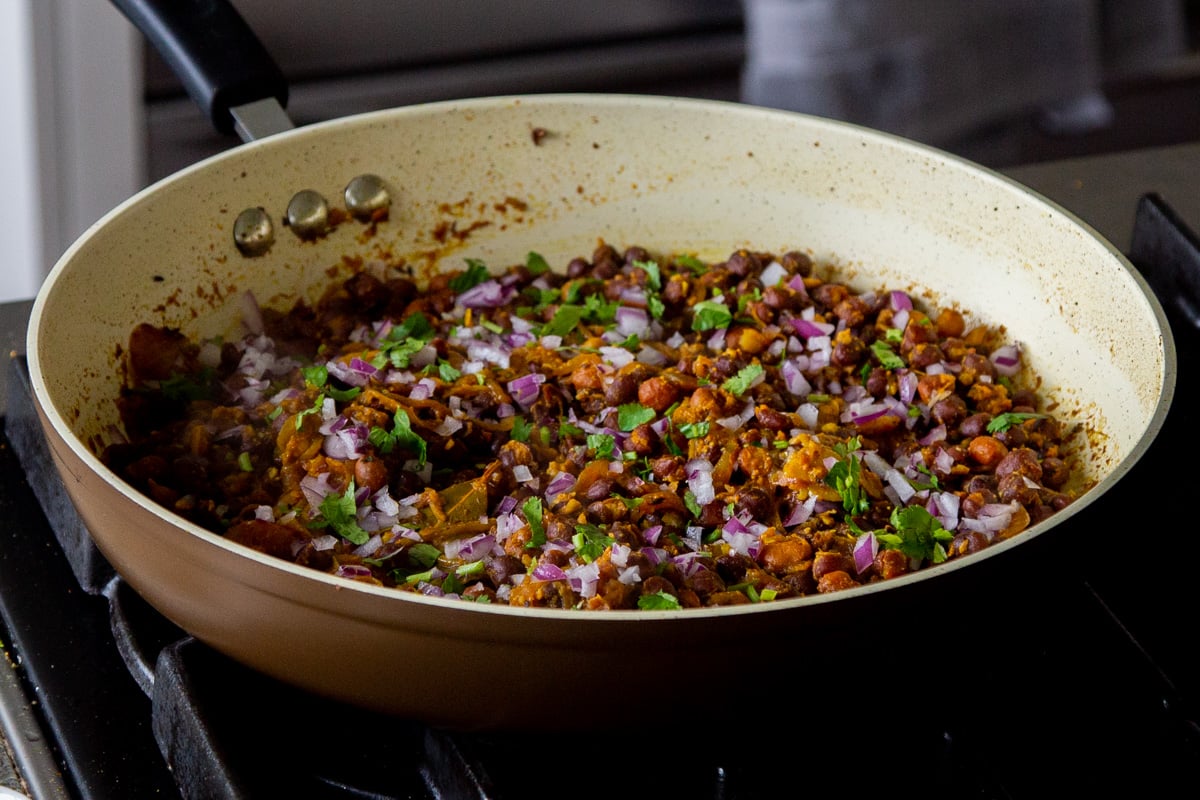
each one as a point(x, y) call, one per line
point(494, 179)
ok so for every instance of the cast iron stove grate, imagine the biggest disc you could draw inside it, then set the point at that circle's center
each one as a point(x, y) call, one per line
point(1086, 681)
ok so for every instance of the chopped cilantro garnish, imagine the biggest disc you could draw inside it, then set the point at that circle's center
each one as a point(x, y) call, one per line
point(313, 409)
point(401, 434)
point(694, 430)
point(1002, 422)
point(422, 554)
point(630, 415)
point(470, 569)
point(244, 463)
point(590, 542)
point(740, 384)
point(565, 318)
point(844, 476)
point(600, 310)
point(533, 515)
point(655, 306)
point(447, 372)
point(653, 275)
point(187, 387)
point(746, 299)
point(603, 445)
point(691, 262)
point(318, 376)
point(710, 314)
point(659, 601)
point(693, 505)
point(887, 357)
point(535, 263)
point(475, 274)
point(918, 534)
point(340, 512)
point(521, 429)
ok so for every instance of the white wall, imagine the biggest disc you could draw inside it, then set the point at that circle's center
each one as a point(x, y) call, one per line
point(18, 167)
point(71, 129)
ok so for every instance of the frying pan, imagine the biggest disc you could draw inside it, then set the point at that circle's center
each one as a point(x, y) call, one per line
point(552, 173)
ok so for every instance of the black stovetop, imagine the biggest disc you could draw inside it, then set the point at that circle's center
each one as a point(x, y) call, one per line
point(1086, 682)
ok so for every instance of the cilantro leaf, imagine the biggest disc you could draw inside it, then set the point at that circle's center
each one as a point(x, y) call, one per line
point(694, 430)
point(659, 601)
point(845, 477)
point(710, 314)
point(533, 515)
point(603, 445)
point(401, 434)
point(918, 534)
point(521, 429)
point(887, 357)
point(653, 274)
point(187, 388)
point(1002, 422)
point(475, 274)
point(341, 513)
point(565, 318)
point(630, 415)
point(742, 382)
point(535, 263)
point(590, 542)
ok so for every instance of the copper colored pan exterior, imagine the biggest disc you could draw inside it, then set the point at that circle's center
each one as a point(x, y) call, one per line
point(472, 179)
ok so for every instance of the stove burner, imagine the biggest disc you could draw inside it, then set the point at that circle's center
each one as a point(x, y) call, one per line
point(1082, 683)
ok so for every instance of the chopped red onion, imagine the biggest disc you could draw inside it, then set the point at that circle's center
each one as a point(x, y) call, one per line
point(651, 534)
point(904, 490)
point(809, 415)
point(546, 571)
point(324, 542)
point(936, 434)
point(810, 329)
point(370, 547)
point(489, 294)
point(616, 356)
point(901, 301)
point(629, 576)
point(699, 480)
point(1007, 359)
point(801, 512)
point(474, 548)
point(526, 388)
point(772, 274)
point(522, 473)
point(865, 550)
point(562, 482)
point(631, 321)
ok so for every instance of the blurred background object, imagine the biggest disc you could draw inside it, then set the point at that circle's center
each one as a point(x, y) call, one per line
point(993, 80)
point(92, 114)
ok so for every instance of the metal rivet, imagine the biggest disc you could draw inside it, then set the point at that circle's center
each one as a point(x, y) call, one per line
point(366, 195)
point(253, 232)
point(308, 214)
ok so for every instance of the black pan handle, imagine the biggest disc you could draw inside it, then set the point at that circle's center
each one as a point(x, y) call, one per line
point(211, 49)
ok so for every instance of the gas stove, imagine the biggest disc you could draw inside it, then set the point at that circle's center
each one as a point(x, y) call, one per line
point(1086, 680)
